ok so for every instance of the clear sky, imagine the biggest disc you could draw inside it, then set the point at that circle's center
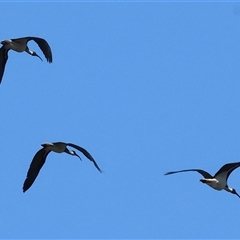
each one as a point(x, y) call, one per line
point(146, 88)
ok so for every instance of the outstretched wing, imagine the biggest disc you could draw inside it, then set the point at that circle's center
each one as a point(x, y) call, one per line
point(44, 46)
point(86, 153)
point(3, 60)
point(35, 167)
point(229, 167)
point(202, 172)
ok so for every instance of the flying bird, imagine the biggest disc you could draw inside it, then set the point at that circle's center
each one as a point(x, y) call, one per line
point(219, 180)
point(20, 45)
point(40, 158)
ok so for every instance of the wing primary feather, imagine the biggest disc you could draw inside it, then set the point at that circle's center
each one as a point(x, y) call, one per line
point(202, 172)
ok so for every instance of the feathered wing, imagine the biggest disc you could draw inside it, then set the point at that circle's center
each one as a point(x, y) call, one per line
point(42, 43)
point(202, 172)
point(35, 167)
point(3, 60)
point(44, 46)
point(86, 154)
point(229, 167)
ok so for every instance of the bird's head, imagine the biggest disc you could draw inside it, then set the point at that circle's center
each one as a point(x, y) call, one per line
point(71, 152)
point(233, 191)
point(35, 54)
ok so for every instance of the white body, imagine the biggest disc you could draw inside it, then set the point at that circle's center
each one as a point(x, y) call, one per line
point(217, 184)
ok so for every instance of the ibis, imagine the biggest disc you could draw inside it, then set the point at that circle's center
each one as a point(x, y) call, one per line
point(20, 45)
point(219, 180)
point(40, 158)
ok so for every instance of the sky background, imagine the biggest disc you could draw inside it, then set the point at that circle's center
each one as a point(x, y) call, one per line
point(146, 88)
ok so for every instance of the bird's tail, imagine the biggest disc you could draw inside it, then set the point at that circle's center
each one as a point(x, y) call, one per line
point(203, 180)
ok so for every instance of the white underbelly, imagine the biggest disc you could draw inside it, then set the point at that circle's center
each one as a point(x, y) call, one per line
point(217, 184)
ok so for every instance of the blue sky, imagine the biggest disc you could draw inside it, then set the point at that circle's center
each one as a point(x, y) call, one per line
point(146, 88)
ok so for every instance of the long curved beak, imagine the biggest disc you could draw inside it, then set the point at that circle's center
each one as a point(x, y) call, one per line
point(32, 53)
point(237, 194)
point(74, 153)
point(38, 57)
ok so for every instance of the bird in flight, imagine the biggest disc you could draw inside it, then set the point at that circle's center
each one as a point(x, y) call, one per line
point(40, 158)
point(20, 45)
point(219, 180)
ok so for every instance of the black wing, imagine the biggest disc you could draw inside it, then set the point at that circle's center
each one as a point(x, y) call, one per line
point(3, 60)
point(202, 172)
point(43, 45)
point(86, 153)
point(229, 167)
point(35, 167)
